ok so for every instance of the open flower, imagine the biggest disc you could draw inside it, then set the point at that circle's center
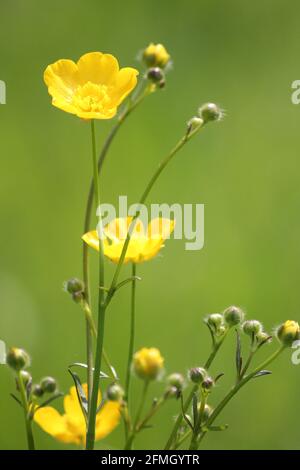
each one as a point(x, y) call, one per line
point(70, 427)
point(92, 88)
point(143, 245)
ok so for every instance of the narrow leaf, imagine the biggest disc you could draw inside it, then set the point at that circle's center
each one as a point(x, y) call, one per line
point(80, 393)
point(211, 333)
point(261, 373)
point(16, 399)
point(84, 366)
point(195, 409)
point(216, 428)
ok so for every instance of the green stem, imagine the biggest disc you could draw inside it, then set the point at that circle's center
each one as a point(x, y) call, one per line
point(236, 388)
point(132, 333)
point(131, 438)
point(194, 443)
point(90, 438)
point(194, 390)
point(29, 434)
point(143, 198)
point(87, 223)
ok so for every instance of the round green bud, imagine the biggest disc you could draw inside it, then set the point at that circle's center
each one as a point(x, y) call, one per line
point(194, 123)
point(74, 285)
point(77, 297)
point(210, 112)
point(17, 359)
point(288, 332)
point(252, 327)
point(233, 316)
point(197, 375)
point(176, 380)
point(215, 320)
point(262, 336)
point(206, 412)
point(37, 391)
point(48, 385)
point(25, 377)
point(115, 392)
point(155, 75)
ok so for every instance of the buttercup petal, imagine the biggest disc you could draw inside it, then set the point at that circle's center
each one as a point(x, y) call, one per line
point(107, 419)
point(160, 228)
point(97, 68)
point(61, 79)
point(123, 83)
point(54, 424)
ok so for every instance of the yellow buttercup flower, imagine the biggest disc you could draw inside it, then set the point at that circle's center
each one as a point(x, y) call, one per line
point(288, 332)
point(148, 363)
point(143, 245)
point(70, 427)
point(92, 88)
point(156, 55)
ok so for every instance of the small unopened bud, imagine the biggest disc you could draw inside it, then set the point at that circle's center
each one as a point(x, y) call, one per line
point(148, 363)
point(37, 391)
point(155, 75)
point(288, 332)
point(156, 55)
point(262, 337)
point(176, 380)
point(48, 385)
point(172, 392)
point(115, 392)
point(74, 285)
point(208, 384)
point(210, 112)
point(206, 412)
point(252, 327)
point(215, 320)
point(25, 377)
point(194, 123)
point(233, 316)
point(17, 359)
point(197, 375)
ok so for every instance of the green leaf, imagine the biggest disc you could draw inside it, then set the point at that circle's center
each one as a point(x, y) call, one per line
point(84, 366)
point(16, 399)
point(262, 373)
point(216, 428)
point(50, 400)
point(238, 356)
point(80, 393)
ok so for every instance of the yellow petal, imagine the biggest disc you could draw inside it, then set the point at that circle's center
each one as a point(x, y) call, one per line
point(107, 419)
point(123, 83)
point(91, 238)
point(160, 228)
point(97, 68)
point(61, 79)
point(54, 424)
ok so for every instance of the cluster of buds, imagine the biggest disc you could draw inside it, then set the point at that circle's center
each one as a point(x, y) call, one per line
point(19, 360)
point(156, 59)
point(148, 363)
point(75, 287)
point(219, 323)
point(254, 329)
point(200, 376)
point(208, 112)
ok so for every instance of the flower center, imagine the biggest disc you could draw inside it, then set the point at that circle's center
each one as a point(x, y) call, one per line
point(91, 97)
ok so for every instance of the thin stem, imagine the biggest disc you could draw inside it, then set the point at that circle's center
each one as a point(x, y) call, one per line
point(236, 388)
point(130, 440)
point(90, 438)
point(154, 409)
point(132, 333)
point(197, 428)
point(194, 390)
point(143, 198)
point(87, 223)
point(29, 434)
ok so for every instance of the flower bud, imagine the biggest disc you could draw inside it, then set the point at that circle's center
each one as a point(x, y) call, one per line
point(155, 55)
point(208, 383)
point(148, 363)
point(115, 392)
point(193, 124)
point(48, 385)
point(74, 285)
point(206, 412)
point(176, 380)
point(25, 377)
point(17, 359)
point(215, 320)
point(155, 75)
point(288, 332)
point(262, 337)
point(172, 392)
point(197, 375)
point(37, 391)
point(210, 112)
point(252, 327)
point(233, 316)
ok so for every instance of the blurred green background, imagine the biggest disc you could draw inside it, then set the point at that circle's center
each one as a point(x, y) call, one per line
point(243, 55)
